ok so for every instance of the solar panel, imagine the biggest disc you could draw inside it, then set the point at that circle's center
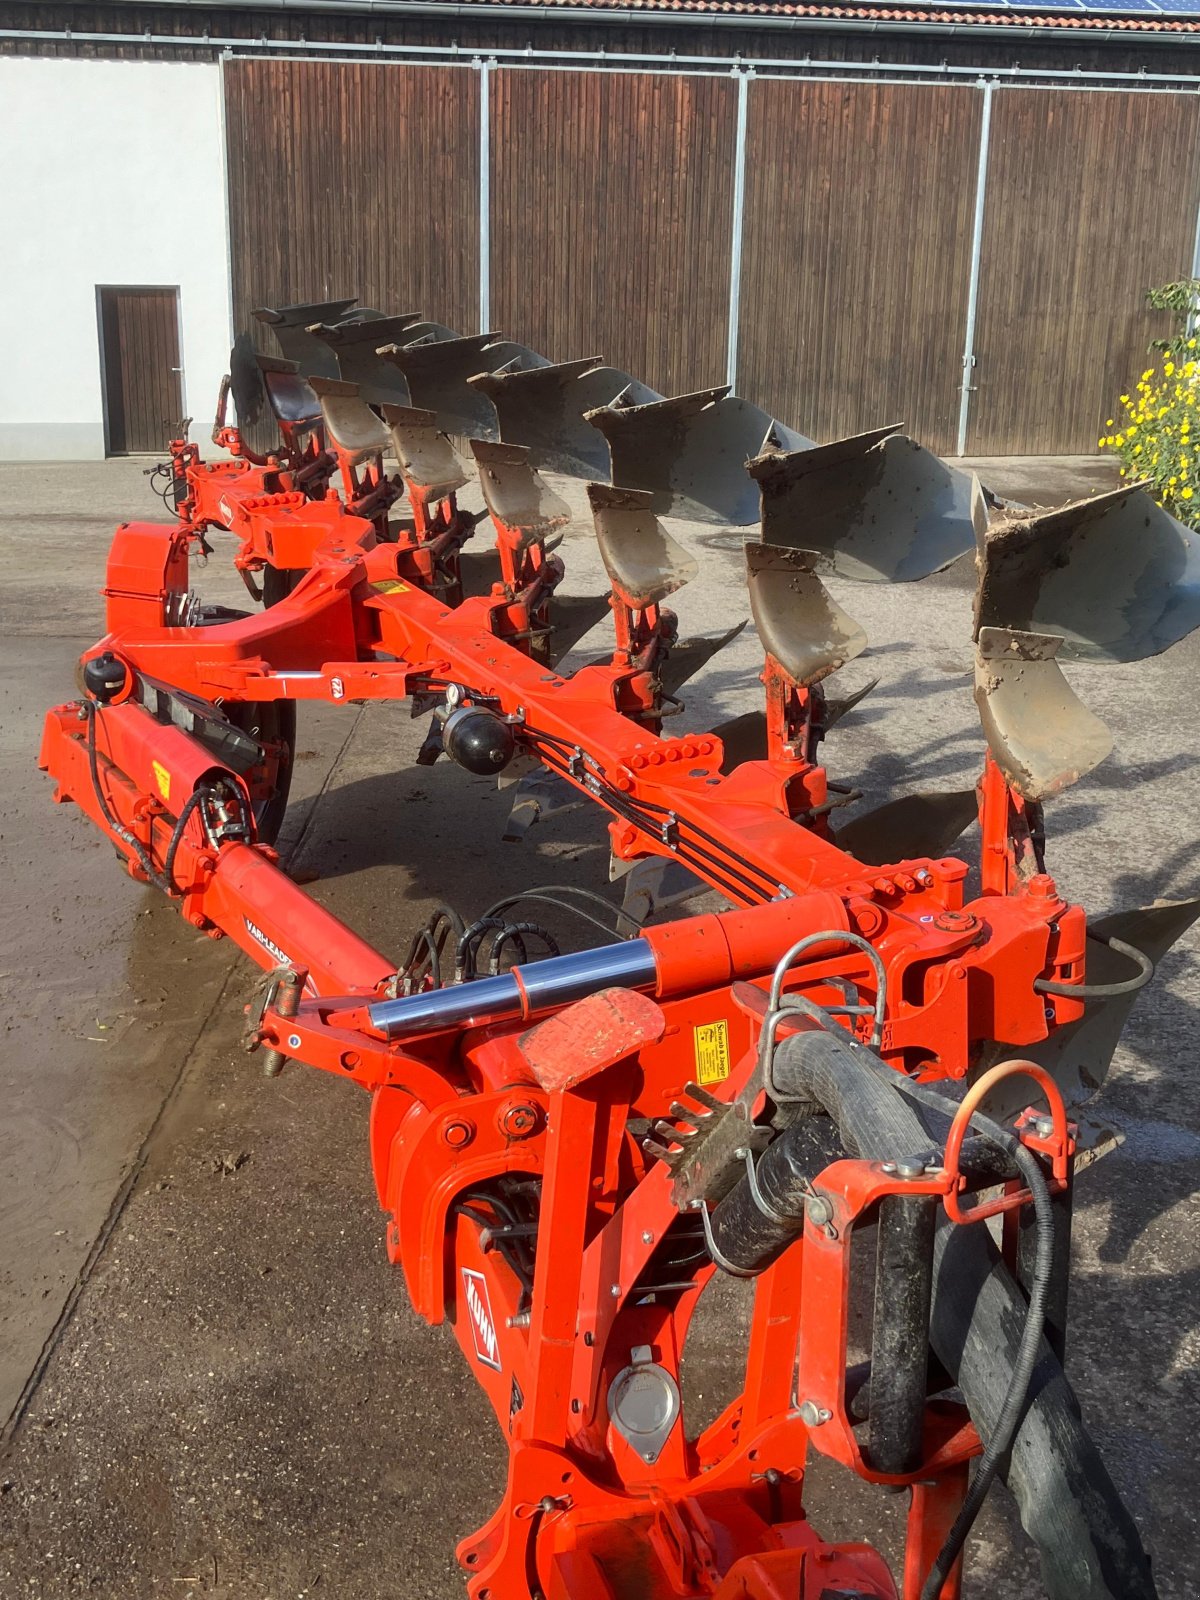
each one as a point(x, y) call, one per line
point(1108, 8)
point(1142, 7)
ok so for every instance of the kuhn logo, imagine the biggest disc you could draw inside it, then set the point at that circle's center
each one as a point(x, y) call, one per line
point(479, 1309)
point(268, 945)
point(226, 511)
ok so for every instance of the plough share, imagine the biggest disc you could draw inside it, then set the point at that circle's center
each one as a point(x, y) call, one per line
point(570, 1144)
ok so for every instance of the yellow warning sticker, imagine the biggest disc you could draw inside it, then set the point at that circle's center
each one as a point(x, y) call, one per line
point(390, 586)
point(162, 778)
point(712, 1051)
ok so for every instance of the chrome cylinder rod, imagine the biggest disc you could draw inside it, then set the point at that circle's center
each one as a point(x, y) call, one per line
point(525, 991)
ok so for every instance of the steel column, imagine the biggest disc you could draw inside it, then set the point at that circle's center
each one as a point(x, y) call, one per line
point(742, 79)
point(485, 192)
point(968, 360)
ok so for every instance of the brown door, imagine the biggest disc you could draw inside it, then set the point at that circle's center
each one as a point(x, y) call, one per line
point(139, 343)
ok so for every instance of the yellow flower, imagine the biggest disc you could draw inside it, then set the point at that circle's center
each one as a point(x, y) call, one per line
point(1169, 368)
point(1186, 494)
point(1124, 399)
point(1171, 482)
point(1149, 373)
point(1109, 423)
point(1191, 344)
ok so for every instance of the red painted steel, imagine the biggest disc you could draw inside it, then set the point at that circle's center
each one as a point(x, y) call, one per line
point(490, 1135)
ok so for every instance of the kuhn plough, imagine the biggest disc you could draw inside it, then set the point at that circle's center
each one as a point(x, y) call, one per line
point(568, 1145)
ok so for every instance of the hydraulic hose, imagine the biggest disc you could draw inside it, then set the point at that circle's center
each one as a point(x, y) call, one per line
point(1088, 1544)
point(92, 711)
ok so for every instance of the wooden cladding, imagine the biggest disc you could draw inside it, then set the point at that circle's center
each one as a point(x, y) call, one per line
point(1091, 200)
point(857, 254)
point(354, 179)
point(611, 213)
point(139, 342)
point(611, 216)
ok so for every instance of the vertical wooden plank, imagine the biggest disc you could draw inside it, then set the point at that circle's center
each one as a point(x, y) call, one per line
point(114, 392)
point(856, 254)
point(612, 197)
point(354, 178)
point(143, 395)
point(1078, 225)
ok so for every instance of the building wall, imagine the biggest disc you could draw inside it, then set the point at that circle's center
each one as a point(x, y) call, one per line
point(610, 224)
point(611, 218)
point(115, 175)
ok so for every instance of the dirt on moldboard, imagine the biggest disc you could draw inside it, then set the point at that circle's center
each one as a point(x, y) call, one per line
point(217, 1383)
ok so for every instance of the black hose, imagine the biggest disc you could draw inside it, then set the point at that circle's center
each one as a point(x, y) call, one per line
point(1088, 1543)
point(467, 950)
point(1104, 991)
point(1001, 1436)
point(92, 711)
point(512, 933)
point(193, 802)
point(552, 893)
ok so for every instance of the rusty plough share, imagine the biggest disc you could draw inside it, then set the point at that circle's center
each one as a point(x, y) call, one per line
point(568, 1146)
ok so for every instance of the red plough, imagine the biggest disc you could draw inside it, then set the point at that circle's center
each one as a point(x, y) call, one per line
point(569, 1145)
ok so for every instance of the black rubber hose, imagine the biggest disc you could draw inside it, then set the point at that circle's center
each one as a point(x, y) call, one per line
point(193, 803)
point(1088, 1543)
point(92, 712)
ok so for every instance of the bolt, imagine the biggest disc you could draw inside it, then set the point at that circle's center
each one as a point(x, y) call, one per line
point(519, 1121)
point(818, 1211)
point(615, 1291)
point(458, 1134)
point(889, 1167)
point(812, 1415)
point(910, 1168)
point(647, 1237)
point(1044, 1127)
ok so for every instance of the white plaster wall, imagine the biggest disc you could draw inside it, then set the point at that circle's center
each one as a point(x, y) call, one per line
point(113, 173)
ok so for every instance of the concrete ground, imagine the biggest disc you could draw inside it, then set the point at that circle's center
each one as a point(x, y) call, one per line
point(213, 1381)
